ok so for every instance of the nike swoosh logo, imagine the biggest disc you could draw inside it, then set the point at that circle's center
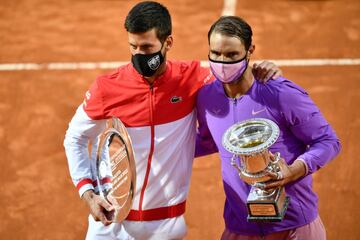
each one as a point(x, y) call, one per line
point(257, 112)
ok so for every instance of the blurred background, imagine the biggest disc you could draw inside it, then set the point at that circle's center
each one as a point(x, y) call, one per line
point(316, 44)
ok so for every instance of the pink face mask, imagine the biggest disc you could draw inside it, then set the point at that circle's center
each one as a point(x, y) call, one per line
point(227, 72)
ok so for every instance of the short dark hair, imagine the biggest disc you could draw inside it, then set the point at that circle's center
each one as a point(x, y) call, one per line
point(147, 15)
point(233, 26)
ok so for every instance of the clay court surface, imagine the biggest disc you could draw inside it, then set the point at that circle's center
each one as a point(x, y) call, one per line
point(38, 200)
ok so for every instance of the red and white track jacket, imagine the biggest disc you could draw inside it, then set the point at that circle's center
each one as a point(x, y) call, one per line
point(161, 121)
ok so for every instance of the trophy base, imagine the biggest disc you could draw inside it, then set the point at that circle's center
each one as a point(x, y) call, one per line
point(270, 208)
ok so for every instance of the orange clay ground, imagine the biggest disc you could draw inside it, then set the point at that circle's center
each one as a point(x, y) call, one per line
point(37, 198)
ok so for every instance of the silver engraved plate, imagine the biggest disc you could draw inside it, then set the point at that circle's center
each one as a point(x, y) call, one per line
point(116, 170)
point(249, 141)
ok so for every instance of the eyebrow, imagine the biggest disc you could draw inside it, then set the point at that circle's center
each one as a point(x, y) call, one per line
point(214, 51)
point(145, 45)
point(232, 52)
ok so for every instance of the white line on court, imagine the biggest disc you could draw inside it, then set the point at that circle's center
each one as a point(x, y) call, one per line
point(229, 8)
point(115, 64)
point(59, 66)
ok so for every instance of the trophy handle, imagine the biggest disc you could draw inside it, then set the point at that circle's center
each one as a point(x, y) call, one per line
point(277, 158)
point(274, 165)
point(234, 164)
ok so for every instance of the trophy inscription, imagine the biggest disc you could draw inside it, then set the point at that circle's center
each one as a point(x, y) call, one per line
point(249, 141)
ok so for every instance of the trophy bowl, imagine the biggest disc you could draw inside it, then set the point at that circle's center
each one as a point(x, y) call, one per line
point(249, 141)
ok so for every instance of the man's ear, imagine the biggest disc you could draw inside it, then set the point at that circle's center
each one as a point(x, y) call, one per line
point(169, 42)
point(251, 49)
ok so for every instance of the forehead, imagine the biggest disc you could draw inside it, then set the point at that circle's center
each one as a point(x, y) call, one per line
point(148, 37)
point(223, 42)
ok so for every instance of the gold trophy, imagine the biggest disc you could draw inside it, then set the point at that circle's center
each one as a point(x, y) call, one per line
point(115, 161)
point(249, 141)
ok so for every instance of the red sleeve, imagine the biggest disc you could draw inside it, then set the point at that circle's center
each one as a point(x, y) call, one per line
point(93, 102)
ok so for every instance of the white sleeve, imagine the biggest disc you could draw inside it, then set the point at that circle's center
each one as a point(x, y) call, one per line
point(82, 130)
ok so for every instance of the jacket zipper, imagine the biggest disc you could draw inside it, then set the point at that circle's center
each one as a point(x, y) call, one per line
point(234, 110)
point(148, 167)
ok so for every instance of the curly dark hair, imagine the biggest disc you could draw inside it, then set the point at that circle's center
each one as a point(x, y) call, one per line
point(147, 15)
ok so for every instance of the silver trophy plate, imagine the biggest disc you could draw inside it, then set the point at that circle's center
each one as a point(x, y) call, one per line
point(115, 161)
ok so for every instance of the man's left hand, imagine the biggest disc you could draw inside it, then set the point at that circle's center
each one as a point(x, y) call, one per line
point(287, 173)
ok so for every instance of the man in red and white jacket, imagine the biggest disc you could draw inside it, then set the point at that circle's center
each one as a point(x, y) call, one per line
point(155, 99)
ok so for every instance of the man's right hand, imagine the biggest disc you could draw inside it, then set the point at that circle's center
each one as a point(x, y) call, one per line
point(266, 70)
point(98, 206)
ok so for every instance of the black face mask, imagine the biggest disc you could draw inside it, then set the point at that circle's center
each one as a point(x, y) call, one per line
point(147, 64)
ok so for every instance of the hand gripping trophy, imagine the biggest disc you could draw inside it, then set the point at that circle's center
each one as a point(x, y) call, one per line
point(249, 141)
